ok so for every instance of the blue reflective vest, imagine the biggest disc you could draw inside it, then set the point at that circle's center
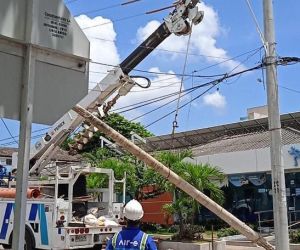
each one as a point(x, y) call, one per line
point(131, 238)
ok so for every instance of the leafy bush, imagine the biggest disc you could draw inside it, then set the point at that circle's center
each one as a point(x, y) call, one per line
point(190, 232)
point(223, 232)
point(173, 229)
point(295, 236)
point(149, 227)
point(216, 223)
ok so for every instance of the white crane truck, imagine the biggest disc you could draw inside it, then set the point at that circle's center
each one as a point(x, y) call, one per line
point(49, 220)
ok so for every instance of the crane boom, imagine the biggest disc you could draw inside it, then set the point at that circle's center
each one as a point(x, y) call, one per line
point(178, 22)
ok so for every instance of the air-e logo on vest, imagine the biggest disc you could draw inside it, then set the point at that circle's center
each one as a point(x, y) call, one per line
point(128, 242)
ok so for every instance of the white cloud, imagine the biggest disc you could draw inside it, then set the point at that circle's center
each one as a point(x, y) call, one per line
point(203, 39)
point(215, 100)
point(101, 50)
point(106, 51)
point(160, 85)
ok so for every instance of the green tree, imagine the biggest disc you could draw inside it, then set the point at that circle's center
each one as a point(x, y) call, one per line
point(204, 177)
point(103, 158)
point(120, 124)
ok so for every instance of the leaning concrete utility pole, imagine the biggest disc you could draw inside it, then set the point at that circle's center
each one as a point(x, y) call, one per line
point(278, 180)
point(173, 178)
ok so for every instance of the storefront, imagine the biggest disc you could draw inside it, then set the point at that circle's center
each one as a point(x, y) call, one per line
point(242, 151)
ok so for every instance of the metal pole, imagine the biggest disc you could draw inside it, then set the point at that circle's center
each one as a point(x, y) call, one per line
point(25, 137)
point(278, 180)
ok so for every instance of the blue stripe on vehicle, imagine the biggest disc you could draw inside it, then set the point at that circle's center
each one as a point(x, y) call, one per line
point(33, 212)
point(43, 225)
point(6, 218)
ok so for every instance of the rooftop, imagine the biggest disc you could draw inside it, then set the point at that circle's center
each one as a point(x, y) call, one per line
point(252, 132)
point(61, 155)
point(244, 142)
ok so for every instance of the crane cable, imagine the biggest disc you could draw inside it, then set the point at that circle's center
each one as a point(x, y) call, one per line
point(175, 122)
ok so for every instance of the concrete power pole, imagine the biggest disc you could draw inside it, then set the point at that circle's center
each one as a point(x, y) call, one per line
point(278, 180)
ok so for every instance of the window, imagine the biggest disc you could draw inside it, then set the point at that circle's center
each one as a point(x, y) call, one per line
point(9, 162)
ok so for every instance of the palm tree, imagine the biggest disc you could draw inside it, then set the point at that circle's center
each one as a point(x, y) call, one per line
point(203, 177)
point(206, 179)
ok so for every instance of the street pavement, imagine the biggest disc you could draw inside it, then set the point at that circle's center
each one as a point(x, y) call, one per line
point(244, 248)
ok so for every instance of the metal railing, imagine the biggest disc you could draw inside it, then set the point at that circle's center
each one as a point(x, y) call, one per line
point(266, 218)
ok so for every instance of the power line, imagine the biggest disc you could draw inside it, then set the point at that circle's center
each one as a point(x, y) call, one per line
point(289, 89)
point(159, 73)
point(178, 74)
point(11, 143)
point(9, 131)
point(230, 59)
point(153, 110)
point(180, 107)
point(108, 7)
point(177, 52)
point(17, 136)
point(215, 83)
point(114, 21)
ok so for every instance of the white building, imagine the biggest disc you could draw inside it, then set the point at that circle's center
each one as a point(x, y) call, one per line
point(242, 151)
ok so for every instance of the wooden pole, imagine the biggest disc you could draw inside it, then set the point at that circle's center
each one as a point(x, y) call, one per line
point(174, 178)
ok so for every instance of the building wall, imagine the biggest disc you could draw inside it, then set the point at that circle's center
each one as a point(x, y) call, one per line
point(249, 161)
point(153, 208)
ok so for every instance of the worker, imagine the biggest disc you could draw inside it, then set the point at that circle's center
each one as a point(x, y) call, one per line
point(131, 237)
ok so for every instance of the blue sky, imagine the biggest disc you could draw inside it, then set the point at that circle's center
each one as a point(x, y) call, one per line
point(227, 31)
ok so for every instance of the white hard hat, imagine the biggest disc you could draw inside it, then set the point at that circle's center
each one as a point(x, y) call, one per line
point(133, 210)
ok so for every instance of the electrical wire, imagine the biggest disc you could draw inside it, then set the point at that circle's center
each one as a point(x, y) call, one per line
point(186, 75)
point(151, 111)
point(114, 21)
point(9, 131)
point(156, 100)
point(215, 83)
point(159, 49)
point(17, 136)
point(11, 143)
point(180, 52)
point(180, 107)
point(107, 7)
point(189, 110)
point(289, 89)
point(159, 73)
point(229, 59)
point(142, 77)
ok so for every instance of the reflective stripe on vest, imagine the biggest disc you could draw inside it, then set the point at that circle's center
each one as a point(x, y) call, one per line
point(114, 240)
point(144, 241)
point(142, 244)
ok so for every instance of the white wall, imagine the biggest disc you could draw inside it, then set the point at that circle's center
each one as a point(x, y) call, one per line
point(249, 161)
